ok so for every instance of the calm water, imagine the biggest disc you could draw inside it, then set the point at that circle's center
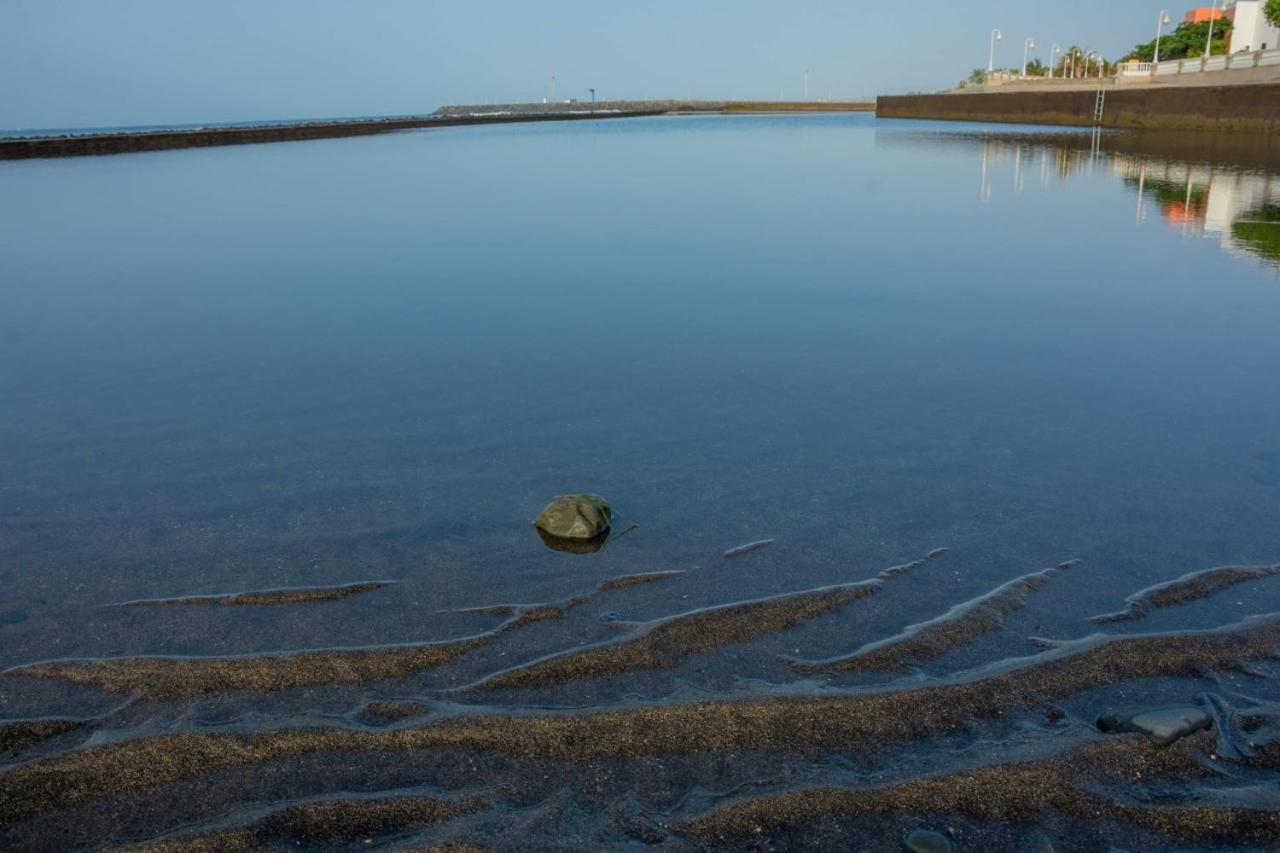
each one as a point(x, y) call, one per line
point(312, 364)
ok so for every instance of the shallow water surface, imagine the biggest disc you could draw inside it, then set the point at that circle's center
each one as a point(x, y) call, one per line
point(298, 404)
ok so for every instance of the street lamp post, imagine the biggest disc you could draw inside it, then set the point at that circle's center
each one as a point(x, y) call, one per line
point(996, 36)
point(1162, 22)
point(1213, 19)
point(1088, 58)
point(1056, 50)
point(1026, 52)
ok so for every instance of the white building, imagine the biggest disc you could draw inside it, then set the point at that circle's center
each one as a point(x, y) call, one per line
point(1251, 30)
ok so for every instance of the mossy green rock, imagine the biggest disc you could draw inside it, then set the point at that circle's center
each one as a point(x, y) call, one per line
point(578, 517)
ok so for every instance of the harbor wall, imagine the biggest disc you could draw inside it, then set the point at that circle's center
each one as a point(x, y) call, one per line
point(1220, 108)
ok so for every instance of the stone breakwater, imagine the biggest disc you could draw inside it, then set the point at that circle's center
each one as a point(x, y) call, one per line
point(164, 140)
point(662, 106)
point(126, 142)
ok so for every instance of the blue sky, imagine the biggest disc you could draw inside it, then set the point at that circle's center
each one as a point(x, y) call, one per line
point(85, 63)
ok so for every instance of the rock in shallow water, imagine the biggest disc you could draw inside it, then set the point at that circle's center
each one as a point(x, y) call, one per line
point(576, 517)
point(1162, 725)
point(574, 546)
point(922, 840)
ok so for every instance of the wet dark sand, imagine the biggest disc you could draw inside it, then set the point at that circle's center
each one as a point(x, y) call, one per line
point(928, 640)
point(861, 721)
point(265, 598)
point(1027, 792)
point(347, 821)
point(21, 734)
point(1188, 588)
point(638, 580)
point(660, 644)
point(183, 678)
point(388, 712)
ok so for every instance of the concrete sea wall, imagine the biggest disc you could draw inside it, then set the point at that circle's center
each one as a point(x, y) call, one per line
point(134, 141)
point(127, 142)
point(1234, 108)
point(666, 106)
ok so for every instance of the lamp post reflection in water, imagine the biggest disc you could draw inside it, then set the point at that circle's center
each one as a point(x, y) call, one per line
point(984, 192)
point(1186, 207)
point(1142, 193)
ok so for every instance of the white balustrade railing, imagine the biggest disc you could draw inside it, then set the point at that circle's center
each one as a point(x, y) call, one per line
point(1233, 62)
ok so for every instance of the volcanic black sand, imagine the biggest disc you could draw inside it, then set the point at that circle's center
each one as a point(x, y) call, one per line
point(857, 722)
point(264, 598)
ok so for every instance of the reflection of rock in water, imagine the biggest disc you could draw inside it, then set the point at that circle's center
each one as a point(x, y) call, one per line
point(574, 546)
point(661, 644)
point(1189, 587)
point(265, 598)
point(925, 641)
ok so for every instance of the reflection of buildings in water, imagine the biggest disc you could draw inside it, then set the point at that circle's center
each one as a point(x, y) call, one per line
point(1239, 208)
point(1206, 201)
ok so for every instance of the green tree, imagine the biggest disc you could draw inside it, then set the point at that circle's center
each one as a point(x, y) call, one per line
point(1188, 40)
point(977, 76)
point(1272, 11)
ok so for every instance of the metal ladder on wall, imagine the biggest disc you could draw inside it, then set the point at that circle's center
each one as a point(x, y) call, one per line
point(1099, 105)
